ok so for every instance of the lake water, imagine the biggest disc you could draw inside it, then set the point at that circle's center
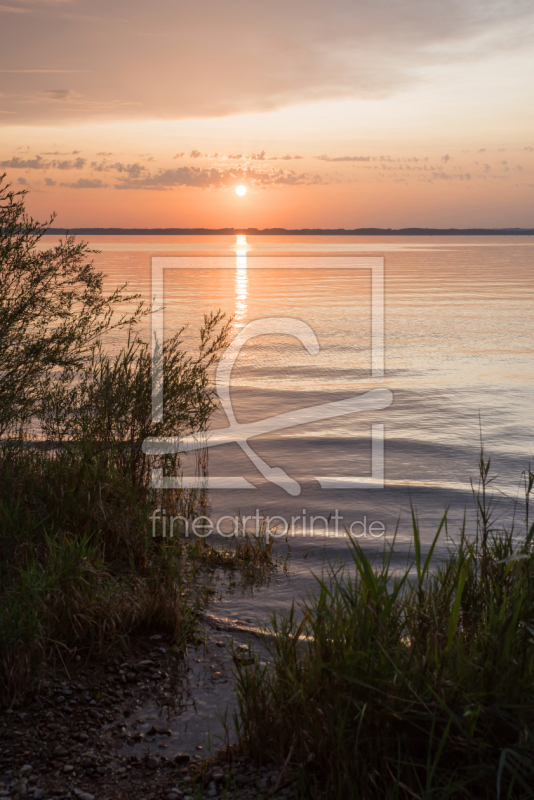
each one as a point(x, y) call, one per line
point(458, 353)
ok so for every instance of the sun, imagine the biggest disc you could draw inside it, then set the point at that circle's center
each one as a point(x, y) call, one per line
point(241, 190)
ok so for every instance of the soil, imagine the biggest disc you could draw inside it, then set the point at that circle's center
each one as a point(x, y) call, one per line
point(155, 723)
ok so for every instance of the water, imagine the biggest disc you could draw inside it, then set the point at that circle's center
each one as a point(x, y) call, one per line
point(458, 353)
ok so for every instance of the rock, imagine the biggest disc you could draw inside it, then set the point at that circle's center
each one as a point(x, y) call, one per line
point(60, 751)
point(24, 716)
point(156, 638)
point(182, 758)
point(68, 768)
point(83, 795)
point(212, 793)
point(217, 773)
point(152, 763)
point(26, 768)
point(38, 794)
point(81, 736)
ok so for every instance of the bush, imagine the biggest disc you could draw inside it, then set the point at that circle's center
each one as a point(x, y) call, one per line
point(52, 309)
point(79, 569)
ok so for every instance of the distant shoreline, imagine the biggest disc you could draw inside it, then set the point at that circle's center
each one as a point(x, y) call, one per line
point(299, 232)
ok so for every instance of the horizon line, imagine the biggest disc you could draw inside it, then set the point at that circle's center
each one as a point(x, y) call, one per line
point(294, 231)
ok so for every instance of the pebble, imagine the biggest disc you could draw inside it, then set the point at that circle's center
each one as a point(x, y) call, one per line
point(152, 763)
point(84, 795)
point(38, 794)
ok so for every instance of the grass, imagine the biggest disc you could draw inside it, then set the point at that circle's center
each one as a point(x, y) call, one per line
point(413, 685)
point(79, 568)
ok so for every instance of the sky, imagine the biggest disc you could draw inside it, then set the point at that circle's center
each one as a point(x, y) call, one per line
point(339, 114)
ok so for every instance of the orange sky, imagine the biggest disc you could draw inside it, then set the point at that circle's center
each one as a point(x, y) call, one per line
point(344, 114)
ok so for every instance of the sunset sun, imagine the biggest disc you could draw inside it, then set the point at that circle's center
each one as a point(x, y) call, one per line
point(241, 190)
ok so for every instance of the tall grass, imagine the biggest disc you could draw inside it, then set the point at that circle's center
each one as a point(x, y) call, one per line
point(79, 567)
point(412, 685)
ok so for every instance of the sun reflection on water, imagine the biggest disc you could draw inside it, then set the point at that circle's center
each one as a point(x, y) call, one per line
point(241, 280)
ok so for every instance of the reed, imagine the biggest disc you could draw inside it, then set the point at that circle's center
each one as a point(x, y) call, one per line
point(412, 685)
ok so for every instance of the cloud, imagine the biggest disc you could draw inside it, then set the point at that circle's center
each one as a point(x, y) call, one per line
point(78, 164)
point(446, 158)
point(178, 155)
point(26, 163)
point(105, 154)
point(170, 60)
point(61, 94)
point(11, 10)
point(135, 170)
point(258, 157)
point(343, 158)
point(195, 154)
point(529, 149)
point(235, 158)
point(39, 163)
point(22, 182)
point(49, 182)
point(212, 178)
point(445, 176)
point(287, 157)
point(85, 183)
point(72, 153)
point(482, 150)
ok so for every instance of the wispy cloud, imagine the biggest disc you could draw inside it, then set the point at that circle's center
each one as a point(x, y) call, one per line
point(134, 170)
point(299, 52)
point(343, 158)
point(85, 183)
point(449, 176)
point(38, 162)
point(26, 163)
point(217, 178)
point(12, 10)
point(43, 71)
